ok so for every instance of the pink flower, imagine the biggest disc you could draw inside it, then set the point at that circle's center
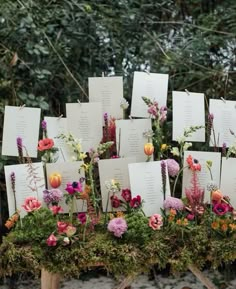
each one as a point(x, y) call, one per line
point(31, 204)
point(82, 217)
point(74, 187)
point(70, 231)
point(56, 209)
point(173, 167)
point(155, 222)
point(221, 209)
point(173, 203)
point(115, 202)
point(190, 217)
point(117, 226)
point(52, 240)
point(61, 227)
point(126, 195)
point(135, 202)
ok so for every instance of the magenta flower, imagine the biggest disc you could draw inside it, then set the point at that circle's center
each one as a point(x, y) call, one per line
point(74, 187)
point(173, 167)
point(135, 202)
point(126, 195)
point(52, 240)
point(173, 203)
point(44, 124)
point(117, 226)
point(115, 202)
point(82, 217)
point(221, 209)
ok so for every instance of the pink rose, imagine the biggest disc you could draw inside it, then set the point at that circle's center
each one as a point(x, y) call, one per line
point(31, 204)
point(155, 222)
point(61, 227)
point(52, 240)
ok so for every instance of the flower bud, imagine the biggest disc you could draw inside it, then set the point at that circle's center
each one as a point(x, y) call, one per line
point(148, 149)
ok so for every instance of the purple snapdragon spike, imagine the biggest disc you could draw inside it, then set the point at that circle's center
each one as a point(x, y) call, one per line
point(19, 144)
point(44, 125)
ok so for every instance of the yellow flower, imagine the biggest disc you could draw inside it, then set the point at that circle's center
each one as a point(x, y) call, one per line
point(164, 147)
point(179, 222)
point(232, 227)
point(215, 225)
point(119, 214)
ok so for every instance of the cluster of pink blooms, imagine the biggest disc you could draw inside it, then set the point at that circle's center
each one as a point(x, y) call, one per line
point(173, 167)
point(117, 226)
point(156, 112)
point(62, 228)
point(52, 196)
point(173, 203)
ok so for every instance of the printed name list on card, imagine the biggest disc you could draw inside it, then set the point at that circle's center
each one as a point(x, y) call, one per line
point(151, 85)
point(117, 170)
point(84, 121)
point(188, 110)
point(69, 172)
point(204, 175)
point(21, 122)
point(146, 181)
point(224, 119)
point(29, 182)
point(130, 137)
point(108, 91)
point(55, 127)
point(228, 179)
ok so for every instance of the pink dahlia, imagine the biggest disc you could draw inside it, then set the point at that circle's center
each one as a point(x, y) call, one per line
point(117, 226)
point(173, 203)
point(173, 167)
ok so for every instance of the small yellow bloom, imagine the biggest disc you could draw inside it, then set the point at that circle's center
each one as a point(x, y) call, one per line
point(119, 214)
point(232, 227)
point(164, 147)
point(224, 227)
point(215, 225)
point(179, 222)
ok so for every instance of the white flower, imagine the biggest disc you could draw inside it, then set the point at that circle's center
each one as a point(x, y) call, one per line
point(181, 139)
point(124, 104)
point(175, 151)
point(187, 145)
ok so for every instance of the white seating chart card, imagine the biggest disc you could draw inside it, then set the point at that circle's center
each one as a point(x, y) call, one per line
point(21, 122)
point(26, 185)
point(204, 176)
point(151, 85)
point(85, 121)
point(146, 181)
point(224, 113)
point(108, 91)
point(70, 172)
point(113, 169)
point(228, 179)
point(55, 127)
point(130, 137)
point(188, 110)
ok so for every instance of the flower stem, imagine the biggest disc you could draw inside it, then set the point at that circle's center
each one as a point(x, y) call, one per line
point(176, 180)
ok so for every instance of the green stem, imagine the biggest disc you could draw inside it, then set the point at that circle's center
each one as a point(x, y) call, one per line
point(106, 212)
point(175, 183)
point(72, 209)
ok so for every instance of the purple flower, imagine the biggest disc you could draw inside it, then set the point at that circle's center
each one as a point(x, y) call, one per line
point(44, 125)
point(117, 226)
point(52, 196)
point(173, 203)
point(19, 144)
point(74, 187)
point(173, 167)
point(105, 116)
point(82, 217)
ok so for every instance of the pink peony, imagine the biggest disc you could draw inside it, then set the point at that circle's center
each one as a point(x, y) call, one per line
point(173, 203)
point(31, 204)
point(52, 240)
point(126, 195)
point(117, 226)
point(155, 222)
point(173, 167)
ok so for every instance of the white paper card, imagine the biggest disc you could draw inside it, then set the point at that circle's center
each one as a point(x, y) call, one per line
point(204, 176)
point(55, 127)
point(151, 85)
point(146, 181)
point(70, 172)
point(228, 179)
point(113, 169)
point(108, 91)
point(26, 185)
point(224, 120)
point(188, 110)
point(21, 122)
point(130, 137)
point(84, 121)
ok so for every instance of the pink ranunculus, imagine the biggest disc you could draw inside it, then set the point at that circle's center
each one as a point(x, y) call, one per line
point(74, 187)
point(126, 195)
point(31, 204)
point(61, 227)
point(52, 240)
point(135, 202)
point(70, 231)
point(155, 222)
point(56, 209)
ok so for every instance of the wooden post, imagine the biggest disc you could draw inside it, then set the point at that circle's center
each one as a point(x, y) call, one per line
point(50, 280)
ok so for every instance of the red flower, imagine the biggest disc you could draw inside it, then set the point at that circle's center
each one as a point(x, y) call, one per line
point(82, 217)
point(45, 144)
point(56, 209)
point(52, 240)
point(135, 202)
point(115, 202)
point(193, 164)
point(126, 195)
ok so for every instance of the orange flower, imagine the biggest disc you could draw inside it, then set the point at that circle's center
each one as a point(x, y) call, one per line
point(216, 196)
point(232, 227)
point(224, 227)
point(185, 222)
point(45, 144)
point(148, 149)
point(9, 224)
point(173, 212)
point(193, 164)
point(55, 180)
point(215, 225)
point(179, 222)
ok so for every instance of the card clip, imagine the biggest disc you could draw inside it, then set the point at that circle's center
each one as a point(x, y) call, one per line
point(147, 71)
point(103, 74)
point(223, 99)
point(22, 106)
point(187, 92)
point(78, 101)
point(130, 117)
point(59, 117)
